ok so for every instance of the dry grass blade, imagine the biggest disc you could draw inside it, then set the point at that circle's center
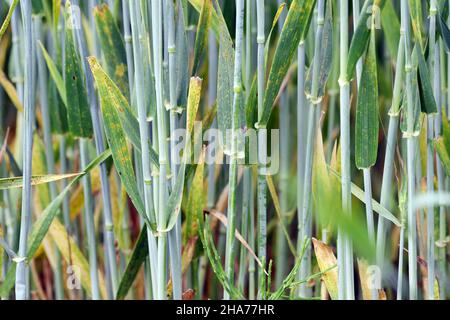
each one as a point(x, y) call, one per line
point(328, 265)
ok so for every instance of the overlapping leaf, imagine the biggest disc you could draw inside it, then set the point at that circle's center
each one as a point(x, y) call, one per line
point(294, 29)
point(366, 128)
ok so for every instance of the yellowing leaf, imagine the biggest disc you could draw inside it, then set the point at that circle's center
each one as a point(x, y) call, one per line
point(364, 277)
point(328, 265)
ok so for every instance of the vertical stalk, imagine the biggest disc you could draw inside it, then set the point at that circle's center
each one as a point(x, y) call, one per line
point(344, 254)
point(25, 218)
point(212, 95)
point(281, 244)
point(386, 184)
point(251, 236)
point(247, 183)
point(95, 42)
point(128, 44)
point(144, 130)
point(64, 169)
point(368, 200)
point(231, 212)
point(366, 171)
point(313, 126)
point(50, 157)
point(162, 147)
point(432, 120)
point(136, 156)
point(89, 220)
point(402, 206)
point(175, 233)
point(245, 216)
point(412, 231)
point(262, 137)
point(442, 180)
point(302, 126)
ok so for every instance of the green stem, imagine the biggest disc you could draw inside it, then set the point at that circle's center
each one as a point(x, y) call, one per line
point(412, 231)
point(50, 157)
point(162, 144)
point(262, 137)
point(25, 218)
point(386, 185)
point(368, 200)
point(313, 118)
point(281, 244)
point(175, 233)
point(432, 121)
point(344, 254)
point(89, 220)
point(135, 19)
point(231, 212)
point(302, 124)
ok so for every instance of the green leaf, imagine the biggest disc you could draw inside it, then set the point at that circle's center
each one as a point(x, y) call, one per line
point(56, 95)
point(366, 127)
point(56, 75)
point(140, 253)
point(215, 260)
point(58, 111)
point(294, 29)
point(182, 58)
point(217, 19)
point(201, 39)
point(17, 182)
point(78, 114)
point(391, 27)
point(113, 48)
point(5, 23)
point(443, 29)
point(111, 101)
point(291, 277)
point(427, 101)
point(416, 110)
point(272, 28)
point(360, 39)
point(325, 59)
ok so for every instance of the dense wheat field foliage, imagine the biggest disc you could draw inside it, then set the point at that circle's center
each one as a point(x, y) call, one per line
point(224, 149)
